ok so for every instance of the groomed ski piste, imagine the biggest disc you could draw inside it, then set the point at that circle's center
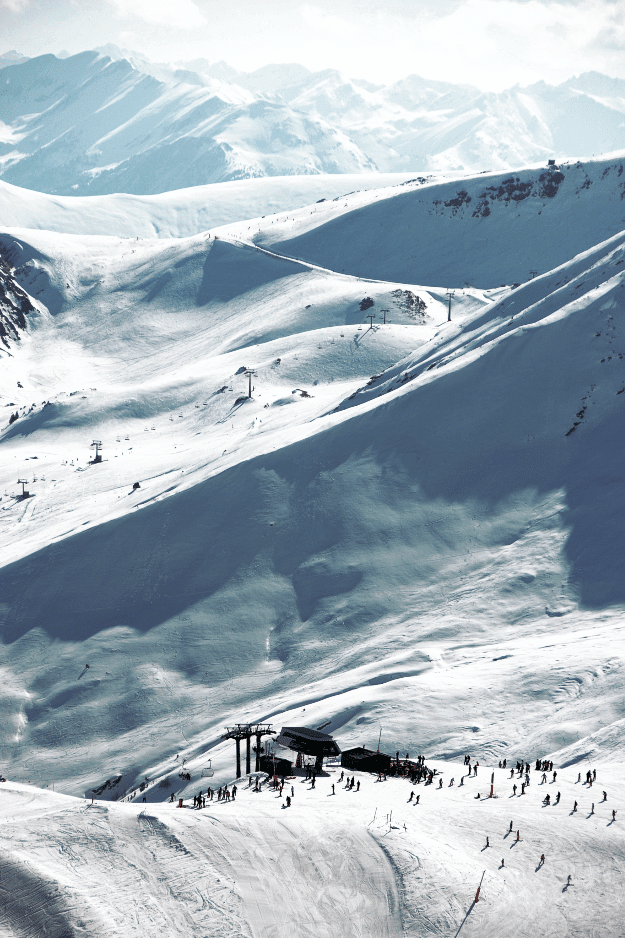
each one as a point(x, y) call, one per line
point(412, 526)
point(348, 863)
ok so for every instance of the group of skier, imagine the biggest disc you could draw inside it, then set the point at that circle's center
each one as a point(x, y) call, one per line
point(223, 794)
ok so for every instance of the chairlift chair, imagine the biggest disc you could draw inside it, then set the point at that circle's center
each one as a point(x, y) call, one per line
point(207, 770)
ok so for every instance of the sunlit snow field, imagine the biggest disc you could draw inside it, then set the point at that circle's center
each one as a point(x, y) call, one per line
point(412, 527)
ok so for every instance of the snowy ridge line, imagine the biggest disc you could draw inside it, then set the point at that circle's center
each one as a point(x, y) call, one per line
point(295, 260)
point(461, 347)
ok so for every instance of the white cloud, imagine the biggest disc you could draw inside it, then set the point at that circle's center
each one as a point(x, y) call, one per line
point(181, 14)
point(13, 5)
point(491, 43)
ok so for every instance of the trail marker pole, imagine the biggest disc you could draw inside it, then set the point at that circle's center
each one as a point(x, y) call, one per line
point(477, 894)
point(492, 785)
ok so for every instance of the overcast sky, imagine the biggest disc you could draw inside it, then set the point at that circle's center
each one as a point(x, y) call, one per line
point(490, 43)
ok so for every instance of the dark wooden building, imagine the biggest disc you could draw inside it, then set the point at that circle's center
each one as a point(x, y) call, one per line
point(365, 760)
point(273, 765)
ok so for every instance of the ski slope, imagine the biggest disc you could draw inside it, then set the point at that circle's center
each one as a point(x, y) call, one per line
point(411, 525)
point(484, 230)
point(349, 863)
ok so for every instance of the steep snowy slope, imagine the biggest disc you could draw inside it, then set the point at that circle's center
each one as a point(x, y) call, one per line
point(183, 212)
point(484, 230)
point(89, 125)
point(405, 561)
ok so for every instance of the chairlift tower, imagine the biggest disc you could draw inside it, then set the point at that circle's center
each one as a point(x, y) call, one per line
point(250, 374)
point(23, 482)
point(98, 446)
point(450, 294)
point(246, 731)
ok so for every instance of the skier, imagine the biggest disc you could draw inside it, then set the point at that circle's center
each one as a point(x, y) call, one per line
point(333, 792)
point(557, 801)
point(358, 785)
point(605, 796)
point(542, 859)
point(574, 806)
point(487, 842)
point(518, 836)
point(411, 797)
point(613, 814)
point(502, 863)
point(288, 801)
point(510, 828)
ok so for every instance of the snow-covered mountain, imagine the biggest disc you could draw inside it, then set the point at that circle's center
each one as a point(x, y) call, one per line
point(485, 230)
point(420, 124)
point(89, 124)
point(411, 528)
point(109, 121)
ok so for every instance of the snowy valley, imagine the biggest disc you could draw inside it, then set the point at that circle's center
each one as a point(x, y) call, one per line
point(377, 436)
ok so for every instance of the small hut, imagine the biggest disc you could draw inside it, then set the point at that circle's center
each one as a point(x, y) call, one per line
point(273, 765)
point(365, 760)
point(309, 743)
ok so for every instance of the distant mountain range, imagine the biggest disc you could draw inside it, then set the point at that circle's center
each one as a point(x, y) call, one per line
point(109, 121)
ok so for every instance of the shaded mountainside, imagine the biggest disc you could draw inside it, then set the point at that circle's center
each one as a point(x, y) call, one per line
point(15, 306)
point(486, 230)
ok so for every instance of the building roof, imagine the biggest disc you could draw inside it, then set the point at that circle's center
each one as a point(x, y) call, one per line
point(310, 742)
